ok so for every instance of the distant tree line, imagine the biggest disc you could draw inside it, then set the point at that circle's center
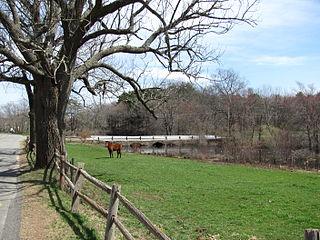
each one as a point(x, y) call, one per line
point(263, 126)
point(14, 116)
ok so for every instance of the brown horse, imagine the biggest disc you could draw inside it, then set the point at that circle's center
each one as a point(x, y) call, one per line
point(113, 147)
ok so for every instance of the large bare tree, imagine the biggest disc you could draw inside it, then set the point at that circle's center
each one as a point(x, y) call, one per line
point(55, 44)
point(228, 84)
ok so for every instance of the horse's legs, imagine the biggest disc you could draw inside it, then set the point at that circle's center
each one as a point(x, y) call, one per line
point(110, 153)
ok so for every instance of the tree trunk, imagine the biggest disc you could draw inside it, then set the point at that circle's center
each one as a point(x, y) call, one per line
point(32, 130)
point(309, 139)
point(316, 140)
point(46, 119)
point(260, 128)
point(63, 99)
point(51, 100)
point(229, 121)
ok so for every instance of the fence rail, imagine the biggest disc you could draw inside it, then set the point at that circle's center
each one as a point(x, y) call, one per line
point(75, 182)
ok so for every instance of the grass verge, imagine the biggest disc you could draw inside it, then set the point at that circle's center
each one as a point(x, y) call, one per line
point(194, 200)
point(45, 212)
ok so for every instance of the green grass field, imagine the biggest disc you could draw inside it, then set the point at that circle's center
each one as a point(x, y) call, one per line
point(194, 200)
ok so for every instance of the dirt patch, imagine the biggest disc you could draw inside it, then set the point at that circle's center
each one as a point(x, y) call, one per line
point(147, 196)
point(38, 220)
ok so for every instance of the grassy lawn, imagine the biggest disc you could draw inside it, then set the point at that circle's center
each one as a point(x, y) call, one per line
point(193, 200)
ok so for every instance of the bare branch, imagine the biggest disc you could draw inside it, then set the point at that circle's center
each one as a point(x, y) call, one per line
point(18, 79)
point(94, 61)
point(19, 62)
point(88, 86)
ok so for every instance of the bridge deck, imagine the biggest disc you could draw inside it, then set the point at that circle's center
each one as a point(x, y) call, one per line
point(152, 138)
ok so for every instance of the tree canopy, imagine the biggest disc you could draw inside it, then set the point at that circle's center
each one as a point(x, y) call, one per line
point(59, 46)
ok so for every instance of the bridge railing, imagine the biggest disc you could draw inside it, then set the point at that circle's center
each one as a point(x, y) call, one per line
point(151, 138)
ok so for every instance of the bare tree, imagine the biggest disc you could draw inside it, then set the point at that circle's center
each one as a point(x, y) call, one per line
point(32, 127)
point(227, 84)
point(72, 114)
point(308, 111)
point(54, 43)
point(14, 116)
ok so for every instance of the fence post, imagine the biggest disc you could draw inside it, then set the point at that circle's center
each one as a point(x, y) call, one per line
point(112, 213)
point(66, 167)
point(61, 178)
point(71, 171)
point(77, 186)
point(311, 234)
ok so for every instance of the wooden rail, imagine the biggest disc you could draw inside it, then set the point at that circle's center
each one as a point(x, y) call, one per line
point(142, 218)
point(96, 182)
point(112, 220)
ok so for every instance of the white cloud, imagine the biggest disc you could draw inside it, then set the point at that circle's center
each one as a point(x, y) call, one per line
point(162, 74)
point(279, 60)
point(277, 23)
point(284, 13)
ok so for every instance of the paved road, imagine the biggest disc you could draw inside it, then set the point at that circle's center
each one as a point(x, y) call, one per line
point(9, 194)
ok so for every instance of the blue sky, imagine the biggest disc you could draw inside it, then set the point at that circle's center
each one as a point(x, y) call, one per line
point(284, 48)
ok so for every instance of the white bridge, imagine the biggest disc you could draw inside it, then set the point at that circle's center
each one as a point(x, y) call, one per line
point(153, 138)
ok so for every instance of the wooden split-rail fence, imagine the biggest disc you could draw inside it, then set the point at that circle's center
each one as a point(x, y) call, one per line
point(75, 182)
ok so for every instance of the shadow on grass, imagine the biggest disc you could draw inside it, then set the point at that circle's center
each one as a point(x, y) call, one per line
point(75, 221)
point(62, 206)
point(31, 158)
point(98, 175)
point(102, 158)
